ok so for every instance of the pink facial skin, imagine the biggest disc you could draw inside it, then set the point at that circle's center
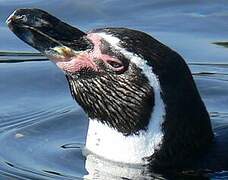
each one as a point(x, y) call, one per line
point(86, 59)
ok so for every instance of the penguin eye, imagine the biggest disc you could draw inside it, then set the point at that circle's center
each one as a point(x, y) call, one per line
point(115, 64)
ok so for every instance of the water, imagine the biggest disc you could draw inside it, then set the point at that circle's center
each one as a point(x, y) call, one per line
point(42, 129)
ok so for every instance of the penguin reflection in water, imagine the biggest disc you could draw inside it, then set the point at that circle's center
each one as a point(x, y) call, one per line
point(140, 97)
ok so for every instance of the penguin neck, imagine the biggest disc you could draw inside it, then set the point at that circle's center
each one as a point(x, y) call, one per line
point(110, 144)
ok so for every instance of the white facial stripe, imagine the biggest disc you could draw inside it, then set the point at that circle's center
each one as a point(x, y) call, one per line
point(147, 70)
point(110, 144)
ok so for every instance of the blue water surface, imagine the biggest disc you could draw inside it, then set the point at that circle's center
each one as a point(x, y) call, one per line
point(42, 129)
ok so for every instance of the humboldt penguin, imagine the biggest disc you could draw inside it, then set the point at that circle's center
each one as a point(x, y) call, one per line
point(140, 97)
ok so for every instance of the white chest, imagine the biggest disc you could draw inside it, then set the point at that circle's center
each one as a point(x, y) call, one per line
point(112, 145)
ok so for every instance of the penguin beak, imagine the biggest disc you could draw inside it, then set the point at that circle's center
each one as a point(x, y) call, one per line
point(44, 32)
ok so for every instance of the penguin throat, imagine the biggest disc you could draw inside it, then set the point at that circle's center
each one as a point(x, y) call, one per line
point(124, 103)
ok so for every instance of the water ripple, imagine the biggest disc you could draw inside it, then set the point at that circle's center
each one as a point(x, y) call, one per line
point(17, 120)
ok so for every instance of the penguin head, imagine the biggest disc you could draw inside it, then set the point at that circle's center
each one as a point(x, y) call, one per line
point(106, 69)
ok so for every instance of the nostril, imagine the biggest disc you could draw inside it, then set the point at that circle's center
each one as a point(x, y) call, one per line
point(22, 18)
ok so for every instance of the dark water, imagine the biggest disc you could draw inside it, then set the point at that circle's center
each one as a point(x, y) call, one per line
point(42, 129)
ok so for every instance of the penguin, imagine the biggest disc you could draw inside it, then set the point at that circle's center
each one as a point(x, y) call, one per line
point(140, 97)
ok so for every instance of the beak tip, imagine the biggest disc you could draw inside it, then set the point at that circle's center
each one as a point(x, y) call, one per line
point(10, 18)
